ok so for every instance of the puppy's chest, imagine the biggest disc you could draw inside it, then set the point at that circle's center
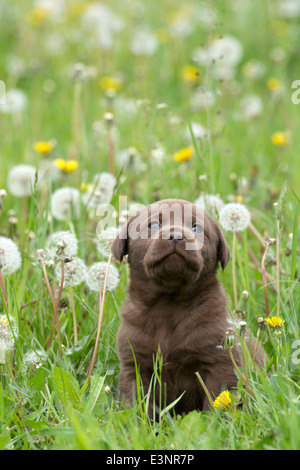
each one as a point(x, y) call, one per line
point(166, 330)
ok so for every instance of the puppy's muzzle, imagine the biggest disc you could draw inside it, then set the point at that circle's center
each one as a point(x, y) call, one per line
point(175, 238)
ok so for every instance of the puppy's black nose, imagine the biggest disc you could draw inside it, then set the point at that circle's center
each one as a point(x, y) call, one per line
point(175, 237)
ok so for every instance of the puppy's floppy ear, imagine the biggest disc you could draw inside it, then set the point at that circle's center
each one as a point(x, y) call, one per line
point(119, 247)
point(223, 253)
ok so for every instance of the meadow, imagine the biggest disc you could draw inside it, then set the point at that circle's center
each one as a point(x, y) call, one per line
point(144, 100)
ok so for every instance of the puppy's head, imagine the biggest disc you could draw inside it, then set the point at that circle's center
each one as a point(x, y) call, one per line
point(171, 244)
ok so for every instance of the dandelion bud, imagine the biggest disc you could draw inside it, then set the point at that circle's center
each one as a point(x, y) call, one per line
point(110, 93)
point(13, 220)
point(241, 308)
point(229, 341)
point(277, 335)
point(60, 247)
point(40, 253)
point(109, 118)
point(260, 323)
point(243, 325)
point(161, 106)
point(31, 235)
point(269, 241)
point(63, 303)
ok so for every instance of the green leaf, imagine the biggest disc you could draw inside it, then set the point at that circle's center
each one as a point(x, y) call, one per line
point(96, 386)
point(36, 425)
point(38, 380)
point(67, 387)
point(171, 405)
point(192, 423)
point(188, 430)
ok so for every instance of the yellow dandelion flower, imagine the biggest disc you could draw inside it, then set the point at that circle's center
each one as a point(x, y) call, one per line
point(279, 28)
point(76, 9)
point(162, 35)
point(280, 139)
point(222, 401)
point(273, 84)
point(66, 166)
point(83, 186)
point(37, 16)
point(110, 83)
point(239, 198)
point(190, 74)
point(3, 321)
point(184, 154)
point(86, 187)
point(43, 147)
point(175, 18)
point(275, 322)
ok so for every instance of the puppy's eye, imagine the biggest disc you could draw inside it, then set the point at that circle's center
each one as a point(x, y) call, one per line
point(154, 225)
point(197, 228)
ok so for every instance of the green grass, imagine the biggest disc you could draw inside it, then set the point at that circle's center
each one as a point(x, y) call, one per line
point(53, 406)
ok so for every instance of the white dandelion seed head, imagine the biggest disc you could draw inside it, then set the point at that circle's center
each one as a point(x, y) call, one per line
point(34, 359)
point(224, 53)
point(15, 101)
point(289, 8)
point(211, 202)
point(105, 181)
point(226, 50)
point(202, 99)
point(21, 178)
point(130, 159)
point(104, 22)
point(234, 217)
point(8, 334)
point(54, 9)
point(199, 131)
point(143, 42)
point(100, 16)
point(74, 272)
point(101, 191)
point(10, 258)
point(158, 154)
point(251, 106)
point(65, 203)
point(63, 242)
point(105, 240)
point(96, 276)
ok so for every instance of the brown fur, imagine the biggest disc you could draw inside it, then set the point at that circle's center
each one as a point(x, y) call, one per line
point(176, 304)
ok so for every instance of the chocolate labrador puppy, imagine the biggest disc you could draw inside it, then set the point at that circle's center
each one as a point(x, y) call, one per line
point(175, 304)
